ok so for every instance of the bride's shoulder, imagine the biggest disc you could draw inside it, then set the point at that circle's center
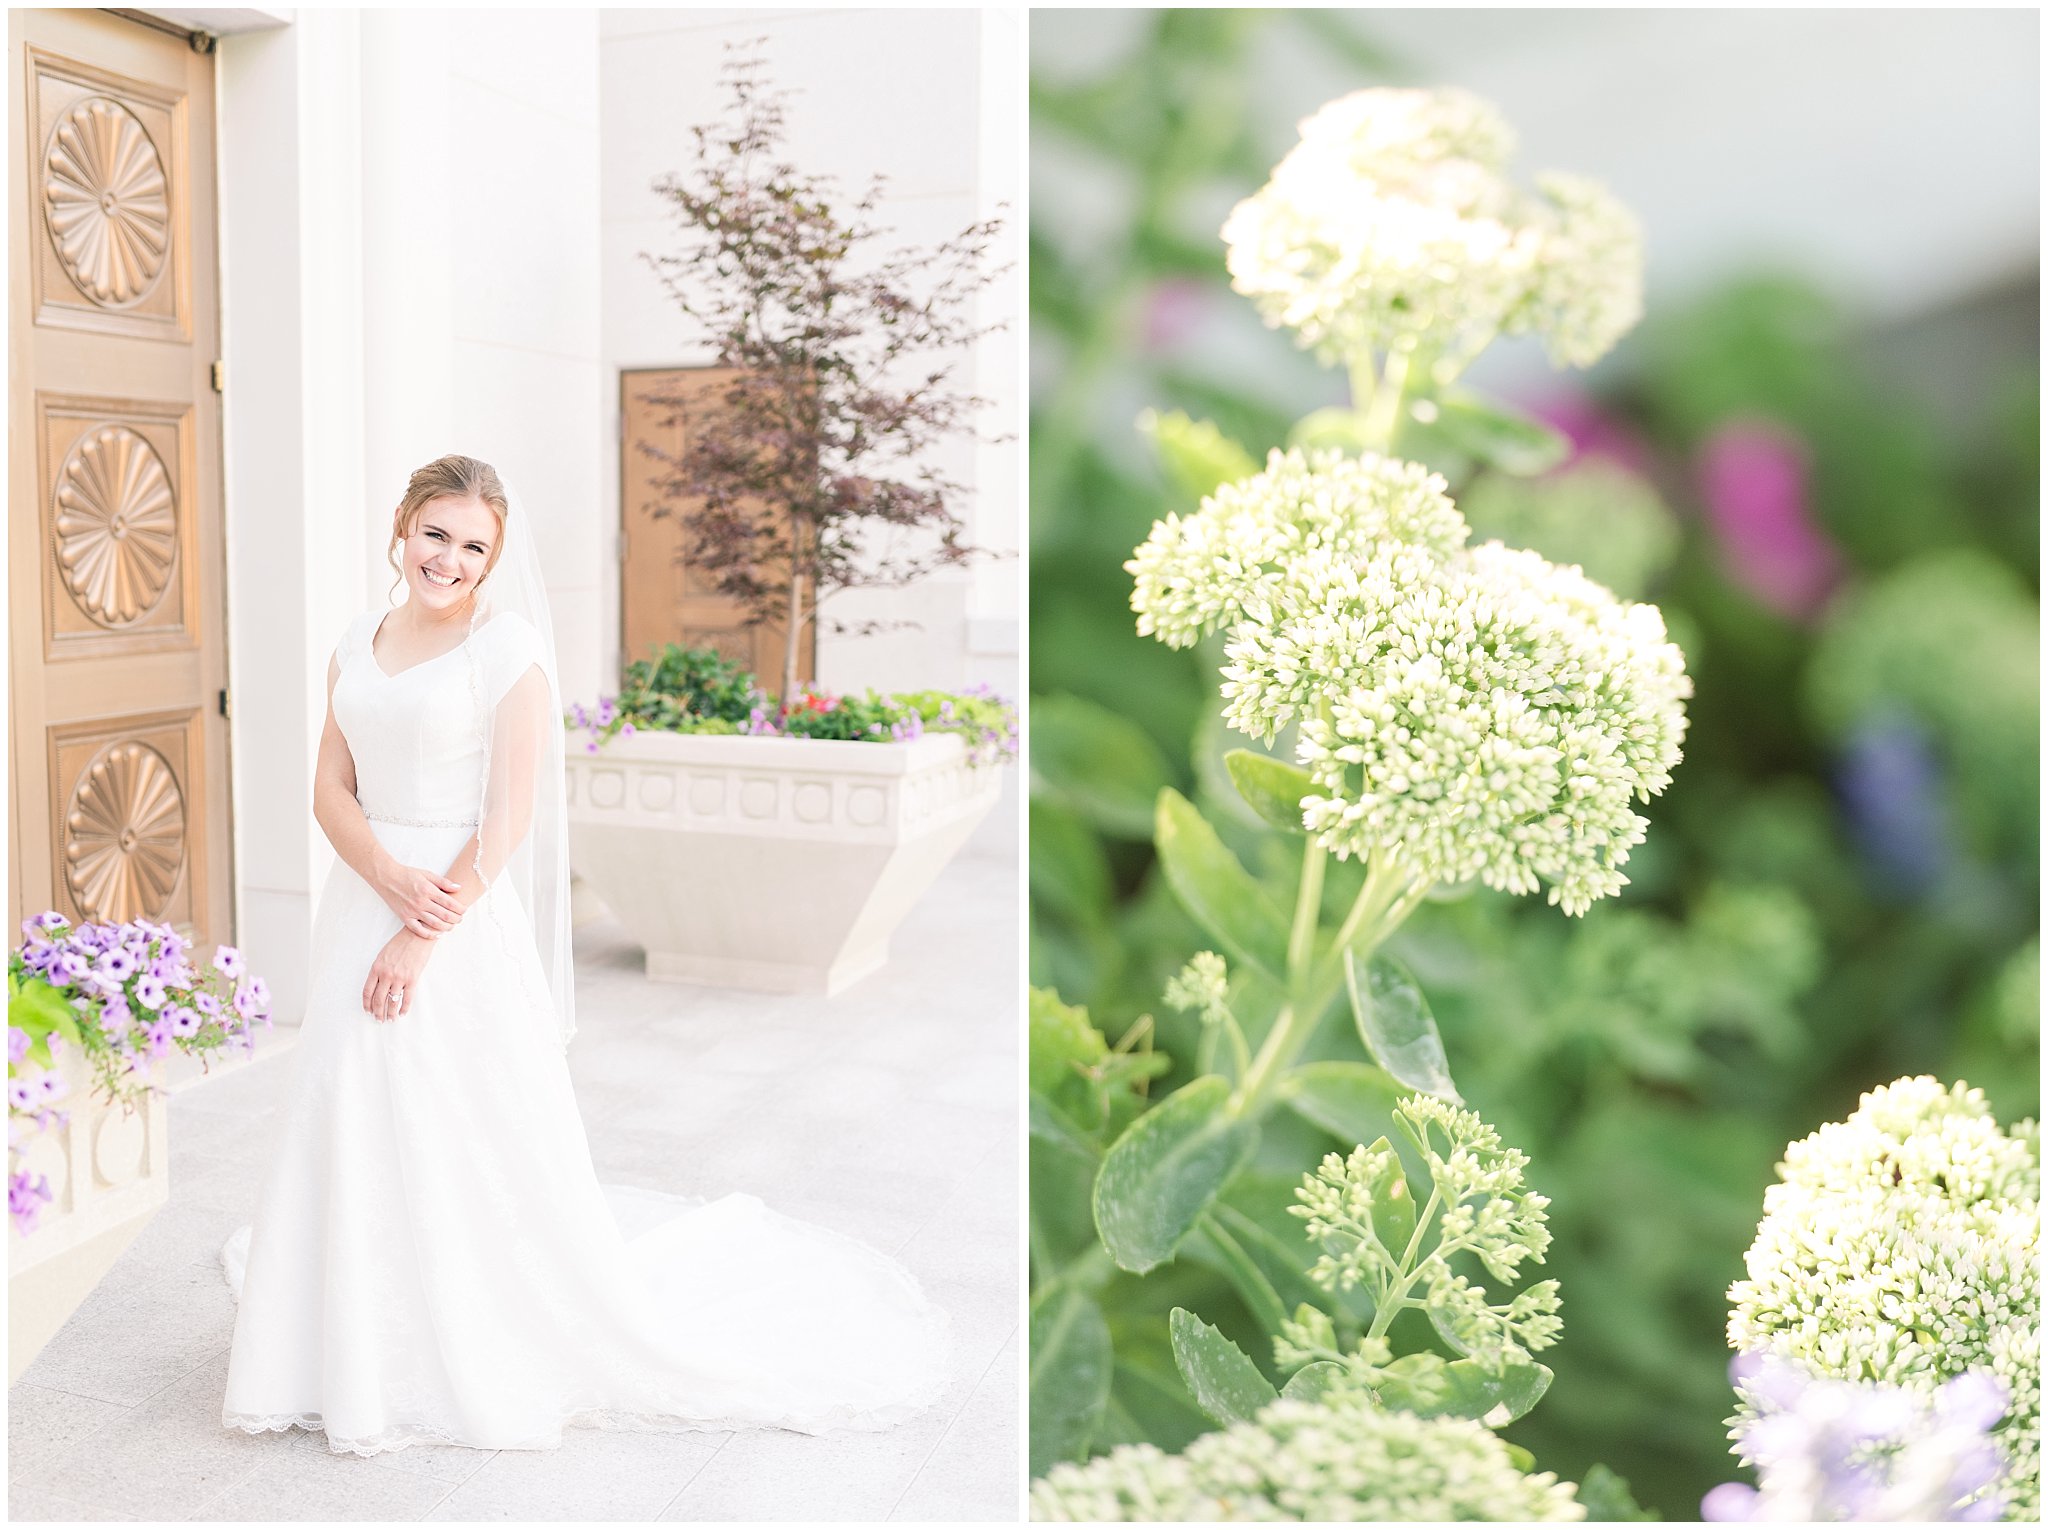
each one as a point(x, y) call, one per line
point(513, 635)
point(356, 636)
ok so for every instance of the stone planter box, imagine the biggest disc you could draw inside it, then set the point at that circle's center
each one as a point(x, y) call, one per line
point(110, 1172)
point(775, 864)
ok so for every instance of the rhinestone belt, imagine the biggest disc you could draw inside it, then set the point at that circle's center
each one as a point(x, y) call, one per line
point(419, 823)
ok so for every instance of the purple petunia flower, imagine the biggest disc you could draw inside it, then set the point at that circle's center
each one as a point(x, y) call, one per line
point(17, 1044)
point(1828, 1450)
point(229, 961)
point(149, 991)
point(116, 964)
point(206, 1004)
point(184, 1020)
point(252, 998)
point(23, 1090)
point(26, 1195)
point(159, 1036)
point(68, 968)
point(115, 1018)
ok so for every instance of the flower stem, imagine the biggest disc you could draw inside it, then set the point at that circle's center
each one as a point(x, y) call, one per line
point(1308, 907)
point(1364, 383)
point(1250, 1280)
point(1292, 1024)
point(1384, 417)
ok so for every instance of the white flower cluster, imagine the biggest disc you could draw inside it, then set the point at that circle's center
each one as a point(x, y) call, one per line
point(1345, 1461)
point(1471, 712)
point(1231, 558)
point(1483, 1209)
point(1203, 984)
point(1392, 226)
point(1900, 1246)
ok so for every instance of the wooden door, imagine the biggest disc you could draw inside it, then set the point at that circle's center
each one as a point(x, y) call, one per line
point(117, 643)
point(661, 598)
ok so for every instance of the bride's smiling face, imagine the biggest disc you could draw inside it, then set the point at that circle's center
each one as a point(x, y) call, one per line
point(451, 548)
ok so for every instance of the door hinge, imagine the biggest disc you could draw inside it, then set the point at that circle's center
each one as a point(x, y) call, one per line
point(220, 377)
point(226, 707)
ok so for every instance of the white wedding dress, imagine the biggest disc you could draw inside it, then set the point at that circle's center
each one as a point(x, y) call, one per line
point(433, 1258)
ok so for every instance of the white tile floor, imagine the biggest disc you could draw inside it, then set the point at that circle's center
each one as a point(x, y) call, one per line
point(889, 1113)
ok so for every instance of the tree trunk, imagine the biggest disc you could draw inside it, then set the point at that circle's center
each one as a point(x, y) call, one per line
point(794, 625)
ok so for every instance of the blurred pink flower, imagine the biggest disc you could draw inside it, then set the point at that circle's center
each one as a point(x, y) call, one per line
point(1171, 311)
point(1592, 430)
point(1753, 477)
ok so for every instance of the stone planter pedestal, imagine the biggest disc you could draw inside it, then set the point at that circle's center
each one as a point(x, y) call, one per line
point(110, 1172)
point(774, 864)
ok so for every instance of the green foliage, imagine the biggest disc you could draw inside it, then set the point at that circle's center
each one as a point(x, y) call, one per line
point(39, 1012)
point(1653, 1056)
point(681, 686)
point(700, 691)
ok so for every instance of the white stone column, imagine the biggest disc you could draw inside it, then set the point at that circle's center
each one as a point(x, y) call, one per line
point(290, 235)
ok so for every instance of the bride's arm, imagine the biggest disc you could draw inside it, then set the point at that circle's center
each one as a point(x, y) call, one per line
point(425, 903)
point(519, 732)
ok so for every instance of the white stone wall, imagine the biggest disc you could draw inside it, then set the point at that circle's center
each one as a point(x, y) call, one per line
point(933, 99)
point(409, 235)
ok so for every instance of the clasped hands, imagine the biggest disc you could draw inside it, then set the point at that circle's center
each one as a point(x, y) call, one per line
point(428, 906)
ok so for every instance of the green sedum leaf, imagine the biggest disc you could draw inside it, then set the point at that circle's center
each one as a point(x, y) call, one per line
point(1350, 1100)
point(1393, 1204)
point(1102, 766)
point(1312, 1383)
point(1165, 1170)
point(1432, 1387)
point(1196, 455)
point(1398, 1028)
point(1608, 1500)
point(1071, 1362)
point(1492, 434)
point(1214, 887)
point(1338, 428)
point(1273, 788)
point(1223, 1378)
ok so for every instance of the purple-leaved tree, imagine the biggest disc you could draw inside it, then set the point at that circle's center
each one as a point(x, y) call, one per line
point(813, 473)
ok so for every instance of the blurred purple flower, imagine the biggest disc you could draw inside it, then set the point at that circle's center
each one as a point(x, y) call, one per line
point(1172, 310)
point(1753, 477)
point(1894, 802)
point(17, 1044)
point(1592, 431)
point(149, 991)
point(184, 1020)
point(229, 961)
point(160, 1036)
point(117, 964)
point(1827, 1450)
point(252, 998)
point(26, 1195)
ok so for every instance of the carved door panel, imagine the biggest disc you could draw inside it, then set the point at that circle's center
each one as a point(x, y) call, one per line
point(661, 598)
point(117, 643)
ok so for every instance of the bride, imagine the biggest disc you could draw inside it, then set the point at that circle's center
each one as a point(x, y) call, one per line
point(433, 1258)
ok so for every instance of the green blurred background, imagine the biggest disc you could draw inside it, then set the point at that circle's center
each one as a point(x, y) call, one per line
point(1836, 396)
